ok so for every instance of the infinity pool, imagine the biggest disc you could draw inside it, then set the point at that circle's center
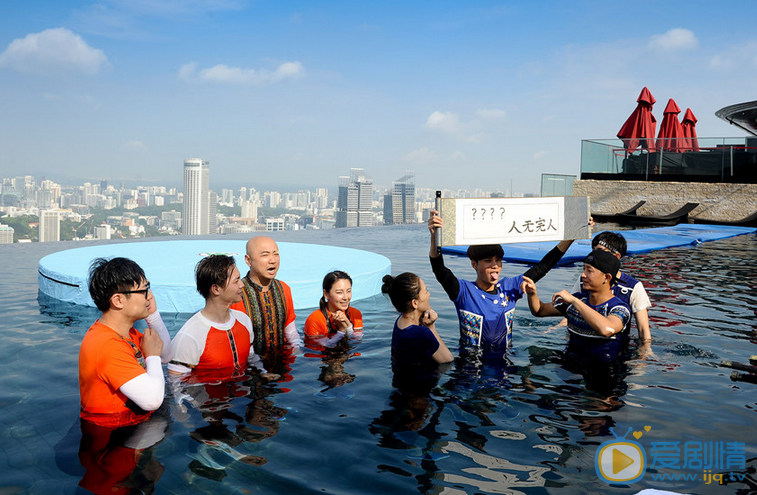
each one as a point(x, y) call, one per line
point(335, 424)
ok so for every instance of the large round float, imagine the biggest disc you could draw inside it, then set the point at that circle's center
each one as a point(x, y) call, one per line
point(169, 266)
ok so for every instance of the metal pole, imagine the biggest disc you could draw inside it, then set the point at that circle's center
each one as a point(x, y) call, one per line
point(438, 230)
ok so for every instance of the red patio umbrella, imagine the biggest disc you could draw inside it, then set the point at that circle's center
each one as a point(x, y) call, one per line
point(639, 129)
point(689, 131)
point(670, 137)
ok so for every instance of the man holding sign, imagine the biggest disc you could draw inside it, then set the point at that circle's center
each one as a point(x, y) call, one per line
point(485, 307)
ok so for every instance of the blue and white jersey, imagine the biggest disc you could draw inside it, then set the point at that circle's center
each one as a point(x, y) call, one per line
point(630, 291)
point(486, 320)
point(584, 339)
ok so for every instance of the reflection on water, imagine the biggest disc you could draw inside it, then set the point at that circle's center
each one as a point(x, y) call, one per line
point(336, 424)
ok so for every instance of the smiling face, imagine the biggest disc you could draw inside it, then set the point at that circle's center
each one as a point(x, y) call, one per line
point(592, 279)
point(339, 296)
point(487, 272)
point(263, 259)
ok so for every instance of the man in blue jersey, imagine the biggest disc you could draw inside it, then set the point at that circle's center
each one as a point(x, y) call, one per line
point(627, 288)
point(596, 317)
point(485, 307)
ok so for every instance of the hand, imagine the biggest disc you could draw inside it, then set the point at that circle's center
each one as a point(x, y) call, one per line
point(341, 321)
point(151, 343)
point(434, 220)
point(563, 297)
point(528, 286)
point(428, 318)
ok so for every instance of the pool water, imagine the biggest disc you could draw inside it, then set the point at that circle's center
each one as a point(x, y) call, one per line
point(335, 424)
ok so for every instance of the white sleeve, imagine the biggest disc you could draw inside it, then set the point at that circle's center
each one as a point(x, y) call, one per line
point(639, 298)
point(147, 390)
point(147, 433)
point(254, 360)
point(332, 341)
point(155, 322)
point(188, 345)
point(290, 331)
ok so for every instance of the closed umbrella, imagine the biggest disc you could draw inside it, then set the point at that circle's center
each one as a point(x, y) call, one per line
point(690, 131)
point(670, 137)
point(639, 129)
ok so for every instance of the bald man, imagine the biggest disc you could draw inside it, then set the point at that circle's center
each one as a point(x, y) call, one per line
point(266, 300)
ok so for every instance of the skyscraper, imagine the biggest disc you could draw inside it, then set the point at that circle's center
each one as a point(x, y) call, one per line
point(49, 226)
point(399, 205)
point(355, 200)
point(196, 218)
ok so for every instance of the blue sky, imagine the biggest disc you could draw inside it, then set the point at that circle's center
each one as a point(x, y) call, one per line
point(473, 94)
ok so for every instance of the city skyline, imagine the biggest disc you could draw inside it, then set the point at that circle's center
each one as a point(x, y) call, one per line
point(469, 95)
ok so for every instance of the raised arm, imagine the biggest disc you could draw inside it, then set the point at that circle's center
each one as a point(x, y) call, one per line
point(539, 270)
point(443, 275)
point(155, 321)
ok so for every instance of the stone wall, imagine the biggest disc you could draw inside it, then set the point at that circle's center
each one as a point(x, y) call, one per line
point(722, 202)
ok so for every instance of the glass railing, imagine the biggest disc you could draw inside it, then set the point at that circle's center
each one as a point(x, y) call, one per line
point(557, 185)
point(726, 158)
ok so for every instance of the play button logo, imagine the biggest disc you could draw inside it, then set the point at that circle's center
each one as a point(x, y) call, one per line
point(620, 461)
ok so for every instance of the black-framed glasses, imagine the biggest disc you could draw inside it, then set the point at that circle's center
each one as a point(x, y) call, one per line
point(145, 292)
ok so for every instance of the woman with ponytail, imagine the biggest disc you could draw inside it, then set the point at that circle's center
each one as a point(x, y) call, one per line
point(335, 318)
point(416, 345)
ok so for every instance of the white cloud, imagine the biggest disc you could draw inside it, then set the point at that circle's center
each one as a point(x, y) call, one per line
point(223, 74)
point(135, 145)
point(446, 122)
point(423, 156)
point(540, 154)
point(52, 51)
point(674, 40)
point(491, 113)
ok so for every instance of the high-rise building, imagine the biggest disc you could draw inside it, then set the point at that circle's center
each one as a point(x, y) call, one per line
point(212, 212)
point(355, 200)
point(6, 234)
point(399, 204)
point(196, 218)
point(49, 226)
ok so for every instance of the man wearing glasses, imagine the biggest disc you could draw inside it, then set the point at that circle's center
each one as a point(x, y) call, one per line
point(120, 374)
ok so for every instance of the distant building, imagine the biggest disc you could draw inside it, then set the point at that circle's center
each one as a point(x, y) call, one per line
point(399, 204)
point(355, 200)
point(49, 226)
point(196, 218)
point(102, 231)
point(6, 234)
point(171, 220)
point(212, 212)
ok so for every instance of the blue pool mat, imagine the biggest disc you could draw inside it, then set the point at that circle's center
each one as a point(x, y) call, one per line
point(169, 266)
point(639, 241)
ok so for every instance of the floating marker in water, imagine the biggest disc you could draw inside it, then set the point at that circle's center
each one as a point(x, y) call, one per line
point(743, 377)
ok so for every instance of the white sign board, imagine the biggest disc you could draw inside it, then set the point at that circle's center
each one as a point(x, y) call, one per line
point(473, 221)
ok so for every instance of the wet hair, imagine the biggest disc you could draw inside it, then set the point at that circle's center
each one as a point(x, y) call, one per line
point(111, 276)
point(401, 289)
point(213, 270)
point(613, 241)
point(328, 282)
point(483, 251)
